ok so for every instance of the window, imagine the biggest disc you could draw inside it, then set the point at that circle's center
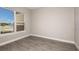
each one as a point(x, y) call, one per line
point(19, 21)
point(10, 21)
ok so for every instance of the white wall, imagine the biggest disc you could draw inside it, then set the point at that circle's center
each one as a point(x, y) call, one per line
point(77, 27)
point(53, 22)
point(50, 22)
point(13, 36)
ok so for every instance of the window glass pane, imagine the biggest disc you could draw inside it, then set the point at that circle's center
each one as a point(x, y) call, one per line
point(19, 21)
point(6, 21)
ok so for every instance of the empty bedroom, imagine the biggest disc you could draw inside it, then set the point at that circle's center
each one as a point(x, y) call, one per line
point(39, 29)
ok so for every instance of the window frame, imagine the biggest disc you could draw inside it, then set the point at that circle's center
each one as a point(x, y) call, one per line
point(15, 31)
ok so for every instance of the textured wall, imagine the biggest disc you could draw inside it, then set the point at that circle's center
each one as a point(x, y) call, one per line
point(54, 23)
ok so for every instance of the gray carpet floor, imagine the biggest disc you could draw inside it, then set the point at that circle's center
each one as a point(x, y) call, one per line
point(33, 43)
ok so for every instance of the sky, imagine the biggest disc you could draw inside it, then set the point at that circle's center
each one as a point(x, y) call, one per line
point(6, 15)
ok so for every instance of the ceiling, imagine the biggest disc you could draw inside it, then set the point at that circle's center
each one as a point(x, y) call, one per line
point(32, 8)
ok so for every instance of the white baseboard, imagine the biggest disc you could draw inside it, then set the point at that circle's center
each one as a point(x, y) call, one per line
point(7, 42)
point(53, 38)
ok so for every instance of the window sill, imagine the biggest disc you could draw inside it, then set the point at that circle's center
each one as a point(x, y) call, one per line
point(12, 33)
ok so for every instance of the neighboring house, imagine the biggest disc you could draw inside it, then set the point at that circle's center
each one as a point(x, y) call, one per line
point(5, 28)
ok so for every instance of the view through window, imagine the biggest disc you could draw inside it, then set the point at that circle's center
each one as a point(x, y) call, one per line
point(6, 21)
point(7, 24)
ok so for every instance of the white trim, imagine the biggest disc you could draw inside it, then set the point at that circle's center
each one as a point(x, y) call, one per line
point(53, 38)
point(24, 22)
point(12, 33)
point(14, 21)
point(4, 43)
point(7, 42)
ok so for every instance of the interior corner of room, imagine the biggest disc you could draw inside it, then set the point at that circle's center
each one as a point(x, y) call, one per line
point(60, 24)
